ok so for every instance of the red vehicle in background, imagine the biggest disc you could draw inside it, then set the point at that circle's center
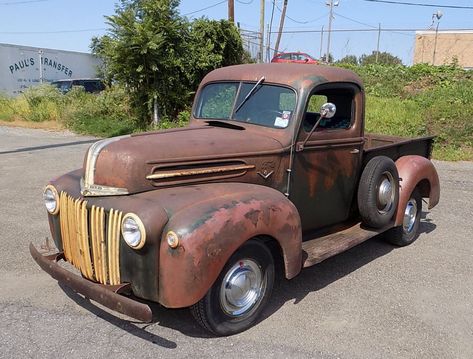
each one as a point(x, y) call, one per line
point(295, 57)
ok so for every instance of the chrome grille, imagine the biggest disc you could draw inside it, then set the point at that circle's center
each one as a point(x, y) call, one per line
point(90, 239)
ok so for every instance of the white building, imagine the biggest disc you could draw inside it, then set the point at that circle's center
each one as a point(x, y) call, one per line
point(24, 66)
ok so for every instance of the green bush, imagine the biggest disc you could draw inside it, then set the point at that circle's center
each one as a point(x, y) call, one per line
point(421, 100)
point(403, 101)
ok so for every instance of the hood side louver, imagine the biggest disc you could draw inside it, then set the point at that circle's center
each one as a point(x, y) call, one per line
point(175, 174)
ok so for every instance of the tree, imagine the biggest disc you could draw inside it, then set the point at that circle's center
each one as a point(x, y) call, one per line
point(213, 44)
point(349, 59)
point(145, 51)
point(384, 58)
point(156, 53)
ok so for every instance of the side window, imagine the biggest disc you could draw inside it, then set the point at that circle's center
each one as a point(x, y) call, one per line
point(89, 86)
point(312, 114)
point(343, 98)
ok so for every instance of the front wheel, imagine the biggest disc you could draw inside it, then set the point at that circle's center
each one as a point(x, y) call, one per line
point(239, 294)
point(409, 231)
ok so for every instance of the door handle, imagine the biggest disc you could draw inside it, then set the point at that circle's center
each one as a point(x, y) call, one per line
point(355, 151)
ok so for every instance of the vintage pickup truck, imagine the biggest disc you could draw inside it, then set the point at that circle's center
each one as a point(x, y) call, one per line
point(273, 173)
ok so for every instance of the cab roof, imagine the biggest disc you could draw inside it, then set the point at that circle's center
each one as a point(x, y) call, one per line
point(299, 76)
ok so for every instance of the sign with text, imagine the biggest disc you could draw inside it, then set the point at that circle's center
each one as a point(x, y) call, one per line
point(23, 66)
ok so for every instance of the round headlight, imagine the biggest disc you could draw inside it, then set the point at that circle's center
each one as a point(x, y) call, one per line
point(51, 199)
point(133, 231)
point(173, 239)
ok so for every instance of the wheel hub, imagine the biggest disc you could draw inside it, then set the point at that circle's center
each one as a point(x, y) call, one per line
point(410, 215)
point(386, 193)
point(242, 287)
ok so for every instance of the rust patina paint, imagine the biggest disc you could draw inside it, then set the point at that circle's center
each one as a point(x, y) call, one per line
point(211, 231)
point(412, 170)
point(215, 212)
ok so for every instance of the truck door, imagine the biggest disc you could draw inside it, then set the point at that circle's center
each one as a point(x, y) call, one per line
point(325, 172)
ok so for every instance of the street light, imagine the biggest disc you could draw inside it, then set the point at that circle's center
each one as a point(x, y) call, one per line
point(436, 16)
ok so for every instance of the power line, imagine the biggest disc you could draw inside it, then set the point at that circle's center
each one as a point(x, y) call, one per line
point(245, 2)
point(394, 30)
point(299, 21)
point(356, 21)
point(205, 8)
point(21, 2)
point(420, 4)
point(48, 32)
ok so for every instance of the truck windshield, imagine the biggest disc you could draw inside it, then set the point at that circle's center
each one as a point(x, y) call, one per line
point(268, 105)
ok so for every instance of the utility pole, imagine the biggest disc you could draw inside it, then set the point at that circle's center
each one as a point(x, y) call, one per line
point(377, 46)
point(40, 55)
point(321, 41)
point(231, 10)
point(331, 4)
point(268, 40)
point(437, 15)
point(261, 30)
point(281, 26)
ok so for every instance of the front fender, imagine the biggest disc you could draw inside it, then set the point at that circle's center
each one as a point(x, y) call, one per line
point(416, 171)
point(210, 231)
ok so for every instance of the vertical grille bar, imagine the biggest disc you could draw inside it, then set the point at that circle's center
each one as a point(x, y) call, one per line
point(102, 245)
point(95, 246)
point(64, 227)
point(90, 239)
point(84, 240)
point(114, 221)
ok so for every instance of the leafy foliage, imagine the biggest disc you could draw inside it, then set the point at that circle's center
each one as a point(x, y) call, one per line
point(157, 54)
point(384, 58)
point(213, 44)
point(421, 100)
point(348, 59)
point(146, 51)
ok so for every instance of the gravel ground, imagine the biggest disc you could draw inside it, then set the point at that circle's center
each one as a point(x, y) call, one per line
point(374, 301)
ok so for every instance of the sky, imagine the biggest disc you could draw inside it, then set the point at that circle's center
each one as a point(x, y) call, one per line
point(70, 24)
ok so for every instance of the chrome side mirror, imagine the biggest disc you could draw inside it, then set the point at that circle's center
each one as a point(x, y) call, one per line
point(328, 110)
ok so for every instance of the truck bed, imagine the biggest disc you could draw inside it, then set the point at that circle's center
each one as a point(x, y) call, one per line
point(395, 147)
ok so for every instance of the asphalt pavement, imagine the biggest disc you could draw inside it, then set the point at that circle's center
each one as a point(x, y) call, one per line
point(373, 301)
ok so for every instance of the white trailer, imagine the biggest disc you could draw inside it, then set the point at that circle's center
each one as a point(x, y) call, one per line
point(24, 66)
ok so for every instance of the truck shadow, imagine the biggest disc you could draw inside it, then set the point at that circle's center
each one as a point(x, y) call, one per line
point(308, 281)
point(134, 328)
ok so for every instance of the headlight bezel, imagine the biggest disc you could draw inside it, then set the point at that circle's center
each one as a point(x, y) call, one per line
point(55, 193)
point(141, 229)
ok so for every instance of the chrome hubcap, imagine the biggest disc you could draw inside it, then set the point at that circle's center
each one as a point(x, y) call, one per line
point(386, 193)
point(242, 287)
point(410, 215)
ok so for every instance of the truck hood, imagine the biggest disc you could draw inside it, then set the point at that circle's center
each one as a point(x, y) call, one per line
point(142, 162)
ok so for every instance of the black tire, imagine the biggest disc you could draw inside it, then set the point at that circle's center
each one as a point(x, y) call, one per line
point(217, 311)
point(378, 192)
point(409, 231)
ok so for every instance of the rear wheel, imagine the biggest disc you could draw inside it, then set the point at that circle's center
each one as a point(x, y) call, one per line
point(409, 231)
point(378, 192)
point(239, 294)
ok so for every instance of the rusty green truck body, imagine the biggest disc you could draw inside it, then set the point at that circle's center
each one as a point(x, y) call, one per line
point(256, 163)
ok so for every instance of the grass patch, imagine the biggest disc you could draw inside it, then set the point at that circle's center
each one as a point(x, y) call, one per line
point(401, 101)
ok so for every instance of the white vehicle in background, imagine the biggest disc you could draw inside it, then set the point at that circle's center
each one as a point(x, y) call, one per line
point(89, 85)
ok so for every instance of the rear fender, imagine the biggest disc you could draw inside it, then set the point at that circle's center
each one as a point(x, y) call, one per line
point(211, 231)
point(416, 171)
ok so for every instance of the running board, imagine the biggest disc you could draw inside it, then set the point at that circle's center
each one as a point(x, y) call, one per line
point(318, 249)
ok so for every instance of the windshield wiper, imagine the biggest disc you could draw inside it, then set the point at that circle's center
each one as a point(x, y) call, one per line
point(252, 91)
